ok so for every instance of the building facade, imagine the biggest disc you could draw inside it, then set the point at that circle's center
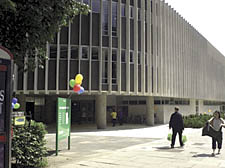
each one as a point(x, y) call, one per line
point(139, 56)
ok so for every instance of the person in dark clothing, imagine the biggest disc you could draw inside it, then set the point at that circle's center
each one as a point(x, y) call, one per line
point(177, 125)
point(120, 116)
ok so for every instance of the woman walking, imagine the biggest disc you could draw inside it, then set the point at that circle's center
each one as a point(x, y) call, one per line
point(217, 123)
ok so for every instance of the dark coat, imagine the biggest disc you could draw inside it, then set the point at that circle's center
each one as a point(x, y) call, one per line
point(176, 121)
point(209, 131)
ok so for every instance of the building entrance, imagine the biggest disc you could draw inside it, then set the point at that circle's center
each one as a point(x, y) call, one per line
point(83, 112)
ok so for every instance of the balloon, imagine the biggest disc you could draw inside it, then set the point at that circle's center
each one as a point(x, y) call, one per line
point(81, 90)
point(17, 105)
point(76, 88)
point(14, 100)
point(77, 82)
point(79, 78)
point(13, 105)
point(72, 83)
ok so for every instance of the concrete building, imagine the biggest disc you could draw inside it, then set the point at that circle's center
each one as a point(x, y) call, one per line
point(140, 56)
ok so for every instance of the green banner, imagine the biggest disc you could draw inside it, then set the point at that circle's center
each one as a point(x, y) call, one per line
point(63, 121)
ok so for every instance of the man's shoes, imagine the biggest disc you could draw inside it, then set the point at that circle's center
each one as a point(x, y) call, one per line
point(213, 154)
point(182, 145)
point(172, 146)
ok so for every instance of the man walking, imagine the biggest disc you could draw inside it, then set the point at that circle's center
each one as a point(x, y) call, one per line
point(177, 125)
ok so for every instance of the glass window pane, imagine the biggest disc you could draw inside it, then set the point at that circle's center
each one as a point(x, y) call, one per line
point(114, 70)
point(139, 58)
point(94, 53)
point(131, 57)
point(86, 1)
point(63, 52)
point(123, 10)
point(53, 52)
point(131, 12)
point(105, 18)
point(123, 56)
point(139, 14)
point(114, 55)
point(114, 18)
point(74, 52)
point(146, 59)
point(105, 54)
point(84, 53)
point(96, 6)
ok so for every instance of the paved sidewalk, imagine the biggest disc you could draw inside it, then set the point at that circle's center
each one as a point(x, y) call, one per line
point(138, 147)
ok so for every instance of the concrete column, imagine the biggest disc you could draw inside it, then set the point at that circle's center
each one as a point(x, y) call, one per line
point(100, 112)
point(50, 110)
point(200, 106)
point(150, 111)
point(192, 106)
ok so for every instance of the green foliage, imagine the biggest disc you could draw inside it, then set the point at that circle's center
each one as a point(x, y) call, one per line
point(28, 145)
point(26, 26)
point(196, 121)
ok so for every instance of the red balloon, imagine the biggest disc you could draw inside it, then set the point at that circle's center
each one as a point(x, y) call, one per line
point(76, 88)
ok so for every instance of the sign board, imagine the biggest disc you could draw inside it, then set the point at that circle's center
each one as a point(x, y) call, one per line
point(19, 120)
point(63, 121)
point(5, 107)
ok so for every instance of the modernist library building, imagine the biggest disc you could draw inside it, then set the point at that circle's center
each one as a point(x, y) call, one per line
point(140, 57)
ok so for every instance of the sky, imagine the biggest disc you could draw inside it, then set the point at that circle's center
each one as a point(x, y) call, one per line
point(206, 16)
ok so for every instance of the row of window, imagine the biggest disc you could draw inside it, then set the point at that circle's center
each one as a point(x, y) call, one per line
point(164, 101)
point(212, 103)
point(94, 54)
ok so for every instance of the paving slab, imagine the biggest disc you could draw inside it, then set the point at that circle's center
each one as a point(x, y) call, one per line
point(137, 147)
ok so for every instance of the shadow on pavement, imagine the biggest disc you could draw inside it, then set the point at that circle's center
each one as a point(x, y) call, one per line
point(92, 127)
point(51, 152)
point(163, 148)
point(169, 149)
point(202, 155)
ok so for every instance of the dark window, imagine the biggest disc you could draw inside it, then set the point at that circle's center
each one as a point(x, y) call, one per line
point(131, 12)
point(157, 102)
point(139, 58)
point(123, 10)
point(114, 18)
point(84, 54)
point(95, 6)
point(139, 14)
point(64, 35)
point(142, 101)
point(53, 52)
point(104, 65)
point(94, 53)
point(63, 51)
point(114, 70)
point(74, 52)
point(114, 55)
point(86, 1)
point(146, 59)
point(85, 30)
point(123, 56)
point(105, 54)
point(105, 18)
point(131, 57)
point(133, 102)
point(125, 102)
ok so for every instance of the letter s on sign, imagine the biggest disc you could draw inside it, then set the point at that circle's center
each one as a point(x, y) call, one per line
point(2, 95)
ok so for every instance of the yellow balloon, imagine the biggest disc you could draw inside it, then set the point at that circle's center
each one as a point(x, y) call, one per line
point(79, 78)
point(77, 82)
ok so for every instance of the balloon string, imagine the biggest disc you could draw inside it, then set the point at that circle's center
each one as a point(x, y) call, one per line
point(70, 95)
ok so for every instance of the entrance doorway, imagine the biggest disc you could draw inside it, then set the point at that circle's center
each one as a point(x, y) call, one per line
point(30, 109)
point(83, 112)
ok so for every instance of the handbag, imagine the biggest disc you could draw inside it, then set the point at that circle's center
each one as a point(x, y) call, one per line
point(184, 137)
